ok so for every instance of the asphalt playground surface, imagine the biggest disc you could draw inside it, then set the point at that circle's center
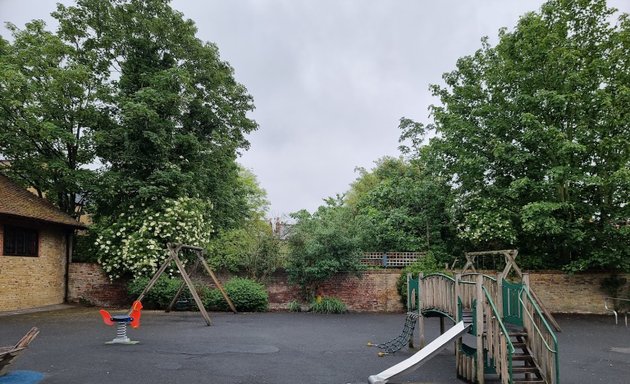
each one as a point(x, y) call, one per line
point(278, 348)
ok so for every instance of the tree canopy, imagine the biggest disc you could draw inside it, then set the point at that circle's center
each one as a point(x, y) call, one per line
point(322, 244)
point(127, 85)
point(533, 135)
point(398, 206)
point(48, 113)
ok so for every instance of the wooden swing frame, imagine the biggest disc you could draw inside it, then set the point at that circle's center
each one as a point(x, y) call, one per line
point(174, 249)
point(510, 263)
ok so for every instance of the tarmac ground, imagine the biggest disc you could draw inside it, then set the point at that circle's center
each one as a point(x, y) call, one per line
point(275, 347)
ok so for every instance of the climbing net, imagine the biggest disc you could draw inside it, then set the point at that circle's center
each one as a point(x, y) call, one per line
point(397, 343)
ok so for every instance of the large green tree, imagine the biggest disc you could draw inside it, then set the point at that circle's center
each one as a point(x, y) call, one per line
point(178, 117)
point(399, 207)
point(49, 96)
point(251, 247)
point(128, 84)
point(535, 135)
point(321, 245)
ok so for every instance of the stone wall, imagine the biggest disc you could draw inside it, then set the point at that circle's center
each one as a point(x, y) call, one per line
point(29, 282)
point(374, 291)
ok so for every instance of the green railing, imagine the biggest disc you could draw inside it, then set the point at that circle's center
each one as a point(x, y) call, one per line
point(542, 341)
point(413, 292)
point(500, 347)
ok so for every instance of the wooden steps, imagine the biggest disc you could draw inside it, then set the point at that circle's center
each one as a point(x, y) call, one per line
point(524, 369)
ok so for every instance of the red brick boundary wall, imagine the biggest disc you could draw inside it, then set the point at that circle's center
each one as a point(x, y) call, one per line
point(373, 291)
point(90, 285)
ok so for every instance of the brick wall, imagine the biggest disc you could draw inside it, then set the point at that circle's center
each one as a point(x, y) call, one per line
point(578, 293)
point(89, 284)
point(28, 282)
point(374, 291)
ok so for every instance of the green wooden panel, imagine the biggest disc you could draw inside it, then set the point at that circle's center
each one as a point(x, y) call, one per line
point(512, 308)
point(413, 292)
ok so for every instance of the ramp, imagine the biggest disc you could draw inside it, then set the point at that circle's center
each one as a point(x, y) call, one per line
point(415, 361)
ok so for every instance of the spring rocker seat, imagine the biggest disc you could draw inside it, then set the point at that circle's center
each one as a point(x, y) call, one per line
point(8, 354)
point(121, 321)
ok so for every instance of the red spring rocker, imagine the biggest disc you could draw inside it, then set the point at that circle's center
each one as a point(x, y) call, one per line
point(121, 321)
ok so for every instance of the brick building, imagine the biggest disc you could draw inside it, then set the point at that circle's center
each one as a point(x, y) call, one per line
point(35, 249)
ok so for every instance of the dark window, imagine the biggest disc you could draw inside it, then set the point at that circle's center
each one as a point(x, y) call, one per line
point(20, 241)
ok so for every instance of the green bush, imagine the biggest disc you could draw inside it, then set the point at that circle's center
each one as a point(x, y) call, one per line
point(163, 292)
point(85, 250)
point(160, 295)
point(294, 306)
point(328, 305)
point(246, 295)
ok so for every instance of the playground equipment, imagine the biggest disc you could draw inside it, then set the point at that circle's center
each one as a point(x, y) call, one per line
point(132, 318)
point(174, 250)
point(10, 353)
point(611, 304)
point(405, 338)
point(514, 342)
point(414, 362)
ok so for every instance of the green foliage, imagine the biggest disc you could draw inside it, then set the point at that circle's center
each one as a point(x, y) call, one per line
point(160, 295)
point(180, 116)
point(533, 135)
point(85, 249)
point(135, 244)
point(294, 306)
point(328, 305)
point(256, 197)
point(427, 265)
point(399, 207)
point(321, 245)
point(251, 249)
point(49, 96)
point(246, 295)
point(125, 84)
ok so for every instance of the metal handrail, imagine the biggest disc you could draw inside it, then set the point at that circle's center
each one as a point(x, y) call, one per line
point(439, 274)
point(484, 275)
point(506, 336)
point(531, 317)
point(613, 307)
point(496, 314)
point(554, 350)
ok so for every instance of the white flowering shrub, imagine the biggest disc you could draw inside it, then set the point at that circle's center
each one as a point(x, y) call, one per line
point(485, 221)
point(480, 227)
point(135, 244)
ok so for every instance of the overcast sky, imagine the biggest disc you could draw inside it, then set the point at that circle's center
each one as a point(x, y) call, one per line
point(331, 78)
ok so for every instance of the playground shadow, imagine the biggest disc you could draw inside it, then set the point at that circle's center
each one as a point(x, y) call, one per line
point(278, 348)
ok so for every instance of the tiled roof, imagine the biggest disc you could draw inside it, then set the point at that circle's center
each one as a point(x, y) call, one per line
point(17, 201)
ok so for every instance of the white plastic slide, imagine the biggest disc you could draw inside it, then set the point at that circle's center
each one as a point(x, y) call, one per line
point(416, 360)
